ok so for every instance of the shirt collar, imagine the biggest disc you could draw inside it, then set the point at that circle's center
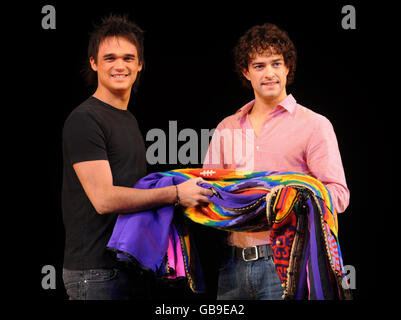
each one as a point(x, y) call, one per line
point(288, 104)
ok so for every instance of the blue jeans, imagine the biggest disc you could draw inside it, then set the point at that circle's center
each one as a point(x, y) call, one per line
point(104, 284)
point(249, 280)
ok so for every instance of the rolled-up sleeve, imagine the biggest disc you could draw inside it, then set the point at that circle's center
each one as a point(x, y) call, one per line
point(324, 162)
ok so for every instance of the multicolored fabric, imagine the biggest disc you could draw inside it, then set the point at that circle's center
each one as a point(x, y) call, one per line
point(296, 207)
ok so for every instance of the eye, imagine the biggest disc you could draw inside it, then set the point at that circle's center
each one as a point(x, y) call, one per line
point(129, 58)
point(276, 64)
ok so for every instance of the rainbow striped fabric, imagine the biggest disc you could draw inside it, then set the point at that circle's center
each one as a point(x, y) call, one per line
point(296, 208)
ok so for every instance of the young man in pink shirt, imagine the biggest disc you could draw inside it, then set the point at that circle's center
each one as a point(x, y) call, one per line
point(274, 133)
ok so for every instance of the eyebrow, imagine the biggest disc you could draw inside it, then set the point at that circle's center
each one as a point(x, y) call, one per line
point(131, 55)
point(273, 61)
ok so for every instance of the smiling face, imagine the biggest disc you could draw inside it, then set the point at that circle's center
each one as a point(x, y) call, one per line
point(268, 77)
point(117, 66)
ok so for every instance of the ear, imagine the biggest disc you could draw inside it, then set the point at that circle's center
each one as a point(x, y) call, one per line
point(245, 73)
point(288, 70)
point(140, 67)
point(93, 64)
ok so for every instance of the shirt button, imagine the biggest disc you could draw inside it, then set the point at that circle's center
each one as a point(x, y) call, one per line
point(257, 147)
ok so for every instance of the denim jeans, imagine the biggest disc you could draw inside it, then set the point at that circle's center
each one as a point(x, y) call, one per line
point(249, 280)
point(104, 284)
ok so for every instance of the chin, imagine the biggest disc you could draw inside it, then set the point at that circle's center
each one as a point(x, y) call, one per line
point(122, 87)
point(271, 96)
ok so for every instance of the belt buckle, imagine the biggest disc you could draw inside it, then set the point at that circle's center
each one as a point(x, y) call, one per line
point(256, 254)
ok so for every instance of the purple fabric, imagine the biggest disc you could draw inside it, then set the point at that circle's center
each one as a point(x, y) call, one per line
point(302, 277)
point(144, 235)
point(314, 252)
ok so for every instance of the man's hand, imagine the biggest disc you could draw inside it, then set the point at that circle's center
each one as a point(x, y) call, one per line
point(192, 195)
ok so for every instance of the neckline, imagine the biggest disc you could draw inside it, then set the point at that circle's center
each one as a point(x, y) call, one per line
point(109, 106)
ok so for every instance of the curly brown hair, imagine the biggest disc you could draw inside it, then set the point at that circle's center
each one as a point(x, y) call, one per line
point(261, 39)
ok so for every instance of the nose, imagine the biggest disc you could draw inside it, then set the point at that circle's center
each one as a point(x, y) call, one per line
point(119, 64)
point(269, 72)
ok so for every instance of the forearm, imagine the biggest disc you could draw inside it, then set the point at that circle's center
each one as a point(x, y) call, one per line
point(96, 179)
point(130, 200)
point(325, 164)
point(340, 196)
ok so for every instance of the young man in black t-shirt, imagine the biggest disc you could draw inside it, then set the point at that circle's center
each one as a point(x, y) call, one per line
point(104, 155)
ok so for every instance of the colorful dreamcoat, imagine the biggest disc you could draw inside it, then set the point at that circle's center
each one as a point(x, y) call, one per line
point(297, 208)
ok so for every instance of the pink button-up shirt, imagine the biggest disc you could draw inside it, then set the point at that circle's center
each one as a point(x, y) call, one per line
point(292, 139)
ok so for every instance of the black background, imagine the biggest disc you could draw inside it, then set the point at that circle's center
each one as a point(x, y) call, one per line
point(189, 77)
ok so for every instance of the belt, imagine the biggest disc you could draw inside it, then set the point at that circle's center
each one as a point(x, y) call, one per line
point(254, 252)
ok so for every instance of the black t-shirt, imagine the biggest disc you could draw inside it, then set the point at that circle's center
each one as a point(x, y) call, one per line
point(96, 131)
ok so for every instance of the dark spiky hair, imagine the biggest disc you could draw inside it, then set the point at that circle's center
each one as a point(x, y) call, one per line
point(113, 26)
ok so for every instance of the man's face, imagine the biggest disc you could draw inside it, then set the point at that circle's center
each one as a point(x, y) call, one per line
point(268, 76)
point(117, 64)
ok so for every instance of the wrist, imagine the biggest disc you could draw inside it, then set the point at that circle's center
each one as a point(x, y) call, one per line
point(177, 197)
point(170, 194)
